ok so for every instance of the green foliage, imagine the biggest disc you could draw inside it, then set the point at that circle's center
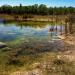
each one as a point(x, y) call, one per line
point(36, 9)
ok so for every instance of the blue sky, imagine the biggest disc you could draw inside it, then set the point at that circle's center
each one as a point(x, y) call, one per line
point(46, 2)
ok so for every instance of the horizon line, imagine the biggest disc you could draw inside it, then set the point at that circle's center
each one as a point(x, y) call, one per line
point(34, 4)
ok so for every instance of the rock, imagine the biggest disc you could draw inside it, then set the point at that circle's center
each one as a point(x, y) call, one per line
point(2, 45)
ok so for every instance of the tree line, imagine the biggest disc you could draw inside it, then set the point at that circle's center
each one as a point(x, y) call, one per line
point(36, 10)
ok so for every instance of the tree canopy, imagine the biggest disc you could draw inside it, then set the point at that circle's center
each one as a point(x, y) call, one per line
point(36, 10)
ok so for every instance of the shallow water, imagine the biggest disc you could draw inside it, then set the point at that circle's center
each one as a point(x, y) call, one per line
point(47, 32)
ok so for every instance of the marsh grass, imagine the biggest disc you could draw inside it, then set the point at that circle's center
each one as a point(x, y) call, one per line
point(13, 60)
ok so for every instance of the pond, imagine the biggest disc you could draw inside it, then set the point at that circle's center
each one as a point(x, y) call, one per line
point(42, 32)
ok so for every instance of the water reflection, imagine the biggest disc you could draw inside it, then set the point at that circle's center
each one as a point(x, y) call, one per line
point(34, 31)
point(69, 28)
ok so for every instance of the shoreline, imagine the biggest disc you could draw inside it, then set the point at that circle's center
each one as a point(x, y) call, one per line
point(34, 18)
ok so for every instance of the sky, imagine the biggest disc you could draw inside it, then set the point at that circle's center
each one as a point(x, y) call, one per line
point(46, 2)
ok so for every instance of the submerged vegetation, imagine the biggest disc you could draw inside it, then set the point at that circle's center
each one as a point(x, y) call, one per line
point(31, 55)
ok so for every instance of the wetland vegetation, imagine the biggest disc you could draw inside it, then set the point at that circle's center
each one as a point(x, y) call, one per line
point(37, 40)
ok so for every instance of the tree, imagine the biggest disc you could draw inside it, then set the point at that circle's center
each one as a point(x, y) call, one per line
point(43, 10)
point(36, 9)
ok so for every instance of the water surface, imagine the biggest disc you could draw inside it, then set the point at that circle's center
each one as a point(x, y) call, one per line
point(46, 32)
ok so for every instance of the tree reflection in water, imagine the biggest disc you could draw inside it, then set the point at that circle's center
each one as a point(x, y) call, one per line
point(70, 25)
